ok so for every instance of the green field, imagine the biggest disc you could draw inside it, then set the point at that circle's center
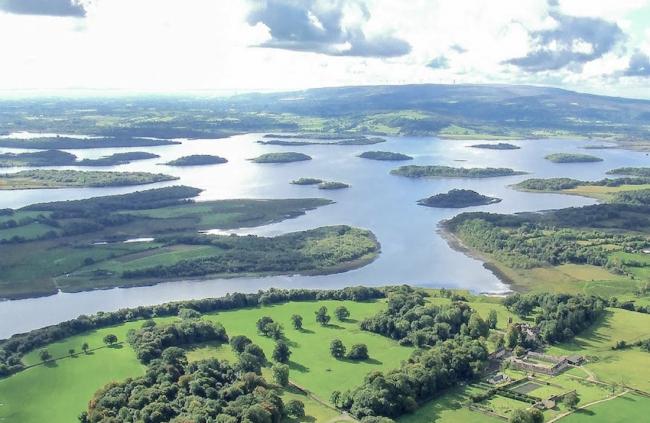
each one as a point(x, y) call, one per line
point(626, 408)
point(60, 391)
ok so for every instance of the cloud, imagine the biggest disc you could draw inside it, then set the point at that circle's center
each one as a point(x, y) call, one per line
point(458, 48)
point(69, 8)
point(323, 27)
point(639, 65)
point(571, 43)
point(439, 62)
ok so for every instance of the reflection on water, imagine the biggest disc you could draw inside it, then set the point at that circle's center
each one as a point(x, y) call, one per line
point(412, 251)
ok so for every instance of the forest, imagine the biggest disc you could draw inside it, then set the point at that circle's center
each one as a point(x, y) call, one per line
point(414, 171)
point(62, 158)
point(285, 157)
point(458, 198)
point(384, 155)
point(197, 160)
point(41, 179)
point(572, 158)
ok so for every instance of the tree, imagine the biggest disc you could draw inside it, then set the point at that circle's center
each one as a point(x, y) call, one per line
point(492, 319)
point(571, 399)
point(477, 327)
point(188, 313)
point(110, 339)
point(358, 352)
point(267, 327)
point(322, 317)
point(44, 355)
point(526, 416)
point(85, 347)
point(280, 374)
point(295, 408)
point(71, 352)
point(341, 313)
point(274, 330)
point(296, 320)
point(337, 349)
point(512, 336)
point(239, 342)
point(281, 352)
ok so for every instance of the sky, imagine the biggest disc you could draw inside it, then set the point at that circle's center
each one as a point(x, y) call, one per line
point(226, 46)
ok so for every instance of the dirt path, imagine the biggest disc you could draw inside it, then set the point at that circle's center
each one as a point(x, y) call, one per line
point(588, 405)
point(340, 418)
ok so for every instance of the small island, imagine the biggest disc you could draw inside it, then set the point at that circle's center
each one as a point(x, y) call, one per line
point(384, 155)
point(197, 160)
point(70, 143)
point(549, 184)
point(307, 181)
point(42, 179)
point(631, 171)
point(572, 158)
point(281, 157)
point(458, 198)
point(320, 139)
point(333, 185)
point(413, 171)
point(37, 158)
point(62, 158)
point(498, 146)
point(117, 159)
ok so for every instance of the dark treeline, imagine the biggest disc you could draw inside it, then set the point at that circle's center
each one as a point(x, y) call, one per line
point(69, 143)
point(414, 171)
point(196, 160)
point(558, 184)
point(426, 374)
point(558, 317)
point(174, 390)
point(147, 199)
point(639, 197)
point(150, 341)
point(411, 321)
point(12, 349)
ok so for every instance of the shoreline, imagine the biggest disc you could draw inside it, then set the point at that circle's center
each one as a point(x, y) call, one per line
point(457, 244)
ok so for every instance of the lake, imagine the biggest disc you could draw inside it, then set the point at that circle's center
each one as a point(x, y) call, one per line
point(412, 251)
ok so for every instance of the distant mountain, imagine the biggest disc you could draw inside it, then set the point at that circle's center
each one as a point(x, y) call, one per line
point(455, 111)
point(500, 109)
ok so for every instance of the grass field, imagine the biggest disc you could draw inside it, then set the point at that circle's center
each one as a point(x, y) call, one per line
point(629, 366)
point(626, 408)
point(57, 393)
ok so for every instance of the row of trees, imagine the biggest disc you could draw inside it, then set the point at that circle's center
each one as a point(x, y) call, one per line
point(422, 377)
point(12, 349)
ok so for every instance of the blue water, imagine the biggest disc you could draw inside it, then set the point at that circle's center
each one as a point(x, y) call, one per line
point(412, 251)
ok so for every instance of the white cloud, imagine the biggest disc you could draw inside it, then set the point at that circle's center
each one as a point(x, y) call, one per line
point(173, 45)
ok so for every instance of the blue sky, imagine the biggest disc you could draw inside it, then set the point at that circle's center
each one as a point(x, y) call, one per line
point(222, 46)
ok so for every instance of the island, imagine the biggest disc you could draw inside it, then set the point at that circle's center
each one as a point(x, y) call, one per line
point(384, 155)
point(117, 159)
point(572, 158)
point(307, 181)
point(42, 179)
point(196, 160)
point(70, 143)
point(497, 146)
point(608, 190)
point(458, 198)
point(37, 158)
point(333, 185)
point(320, 139)
point(62, 158)
point(631, 171)
point(286, 157)
point(414, 171)
point(80, 245)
